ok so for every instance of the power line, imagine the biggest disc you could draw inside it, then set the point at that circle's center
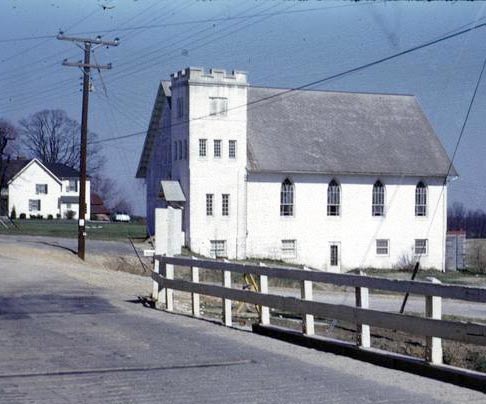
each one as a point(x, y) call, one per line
point(319, 81)
point(189, 22)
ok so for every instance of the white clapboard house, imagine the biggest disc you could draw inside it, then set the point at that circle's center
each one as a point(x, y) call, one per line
point(38, 189)
point(332, 180)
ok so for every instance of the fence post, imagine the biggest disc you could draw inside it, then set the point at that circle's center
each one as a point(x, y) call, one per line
point(363, 338)
point(195, 296)
point(169, 293)
point(155, 285)
point(227, 320)
point(264, 310)
point(433, 345)
point(307, 319)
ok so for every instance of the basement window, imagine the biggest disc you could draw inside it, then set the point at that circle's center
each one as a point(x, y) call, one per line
point(421, 246)
point(218, 248)
point(382, 247)
point(289, 248)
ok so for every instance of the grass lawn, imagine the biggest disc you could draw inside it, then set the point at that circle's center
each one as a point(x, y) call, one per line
point(69, 228)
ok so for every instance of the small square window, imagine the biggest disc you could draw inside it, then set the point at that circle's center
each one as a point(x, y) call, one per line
point(382, 247)
point(41, 188)
point(218, 248)
point(34, 205)
point(202, 147)
point(232, 149)
point(289, 248)
point(218, 106)
point(421, 246)
point(72, 186)
point(209, 204)
point(217, 148)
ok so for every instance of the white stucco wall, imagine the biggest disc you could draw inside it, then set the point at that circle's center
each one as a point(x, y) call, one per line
point(254, 227)
point(23, 188)
point(212, 175)
point(356, 230)
point(75, 205)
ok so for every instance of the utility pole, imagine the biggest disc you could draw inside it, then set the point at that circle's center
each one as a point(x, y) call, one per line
point(86, 66)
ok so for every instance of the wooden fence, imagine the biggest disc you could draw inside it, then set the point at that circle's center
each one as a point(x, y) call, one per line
point(432, 326)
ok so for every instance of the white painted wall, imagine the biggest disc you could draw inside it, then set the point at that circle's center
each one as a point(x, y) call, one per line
point(210, 175)
point(75, 206)
point(23, 188)
point(356, 230)
point(254, 227)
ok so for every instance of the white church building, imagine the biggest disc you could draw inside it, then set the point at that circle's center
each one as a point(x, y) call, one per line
point(331, 180)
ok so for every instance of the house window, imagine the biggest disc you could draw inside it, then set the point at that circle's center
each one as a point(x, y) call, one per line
point(378, 200)
point(287, 198)
point(41, 188)
point(72, 186)
point(289, 248)
point(225, 204)
point(334, 255)
point(218, 106)
point(232, 149)
point(217, 148)
point(34, 205)
point(180, 149)
point(175, 150)
point(185, 149)
point(68, 206)
point(382, 247)
point(202, 147)
point(209, 204)
point(421, 246)
point(421, 199)
point(218, 248)
point(180, 107)
point(333, 198)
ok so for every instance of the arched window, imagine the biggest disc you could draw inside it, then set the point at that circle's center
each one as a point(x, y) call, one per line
point(378, 199)
point(333, 199)
point(421, 199)
point(287, 198)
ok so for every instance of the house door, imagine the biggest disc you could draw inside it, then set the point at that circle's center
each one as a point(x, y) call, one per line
point(335, 256)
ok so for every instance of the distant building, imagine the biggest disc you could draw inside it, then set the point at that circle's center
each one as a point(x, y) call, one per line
point(332, 180)
point(98, 209)
point(37, 189)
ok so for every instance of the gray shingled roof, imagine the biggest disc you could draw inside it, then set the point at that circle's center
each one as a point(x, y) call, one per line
point(342, 133)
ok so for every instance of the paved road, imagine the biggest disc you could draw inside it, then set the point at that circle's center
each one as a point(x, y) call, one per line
point(71, 333)
point(98, 247)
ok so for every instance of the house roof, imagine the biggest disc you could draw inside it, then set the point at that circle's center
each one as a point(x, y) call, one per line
point(62, 170)
point(341, 133)
point(163, 95)
point(58, 170)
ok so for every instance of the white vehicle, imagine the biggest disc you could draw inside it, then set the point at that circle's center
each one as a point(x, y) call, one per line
point(121, 217)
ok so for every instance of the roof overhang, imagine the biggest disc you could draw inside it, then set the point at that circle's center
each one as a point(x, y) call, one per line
point(172, 193)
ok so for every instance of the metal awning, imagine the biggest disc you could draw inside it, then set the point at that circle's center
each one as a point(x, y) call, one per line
point(171, 191)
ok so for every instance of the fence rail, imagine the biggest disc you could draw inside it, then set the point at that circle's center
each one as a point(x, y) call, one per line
point(432, 326)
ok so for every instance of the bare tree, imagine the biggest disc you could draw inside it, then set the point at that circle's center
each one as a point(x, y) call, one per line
point(52, 137)
point(110, 193)
point(8, 136)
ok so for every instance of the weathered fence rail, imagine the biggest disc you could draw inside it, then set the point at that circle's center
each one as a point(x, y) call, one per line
point(432, 326)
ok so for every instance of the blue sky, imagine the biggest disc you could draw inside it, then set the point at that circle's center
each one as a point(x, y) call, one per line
point(279, 43)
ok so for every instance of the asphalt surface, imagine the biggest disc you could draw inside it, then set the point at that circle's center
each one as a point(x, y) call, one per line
point(73, 333)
